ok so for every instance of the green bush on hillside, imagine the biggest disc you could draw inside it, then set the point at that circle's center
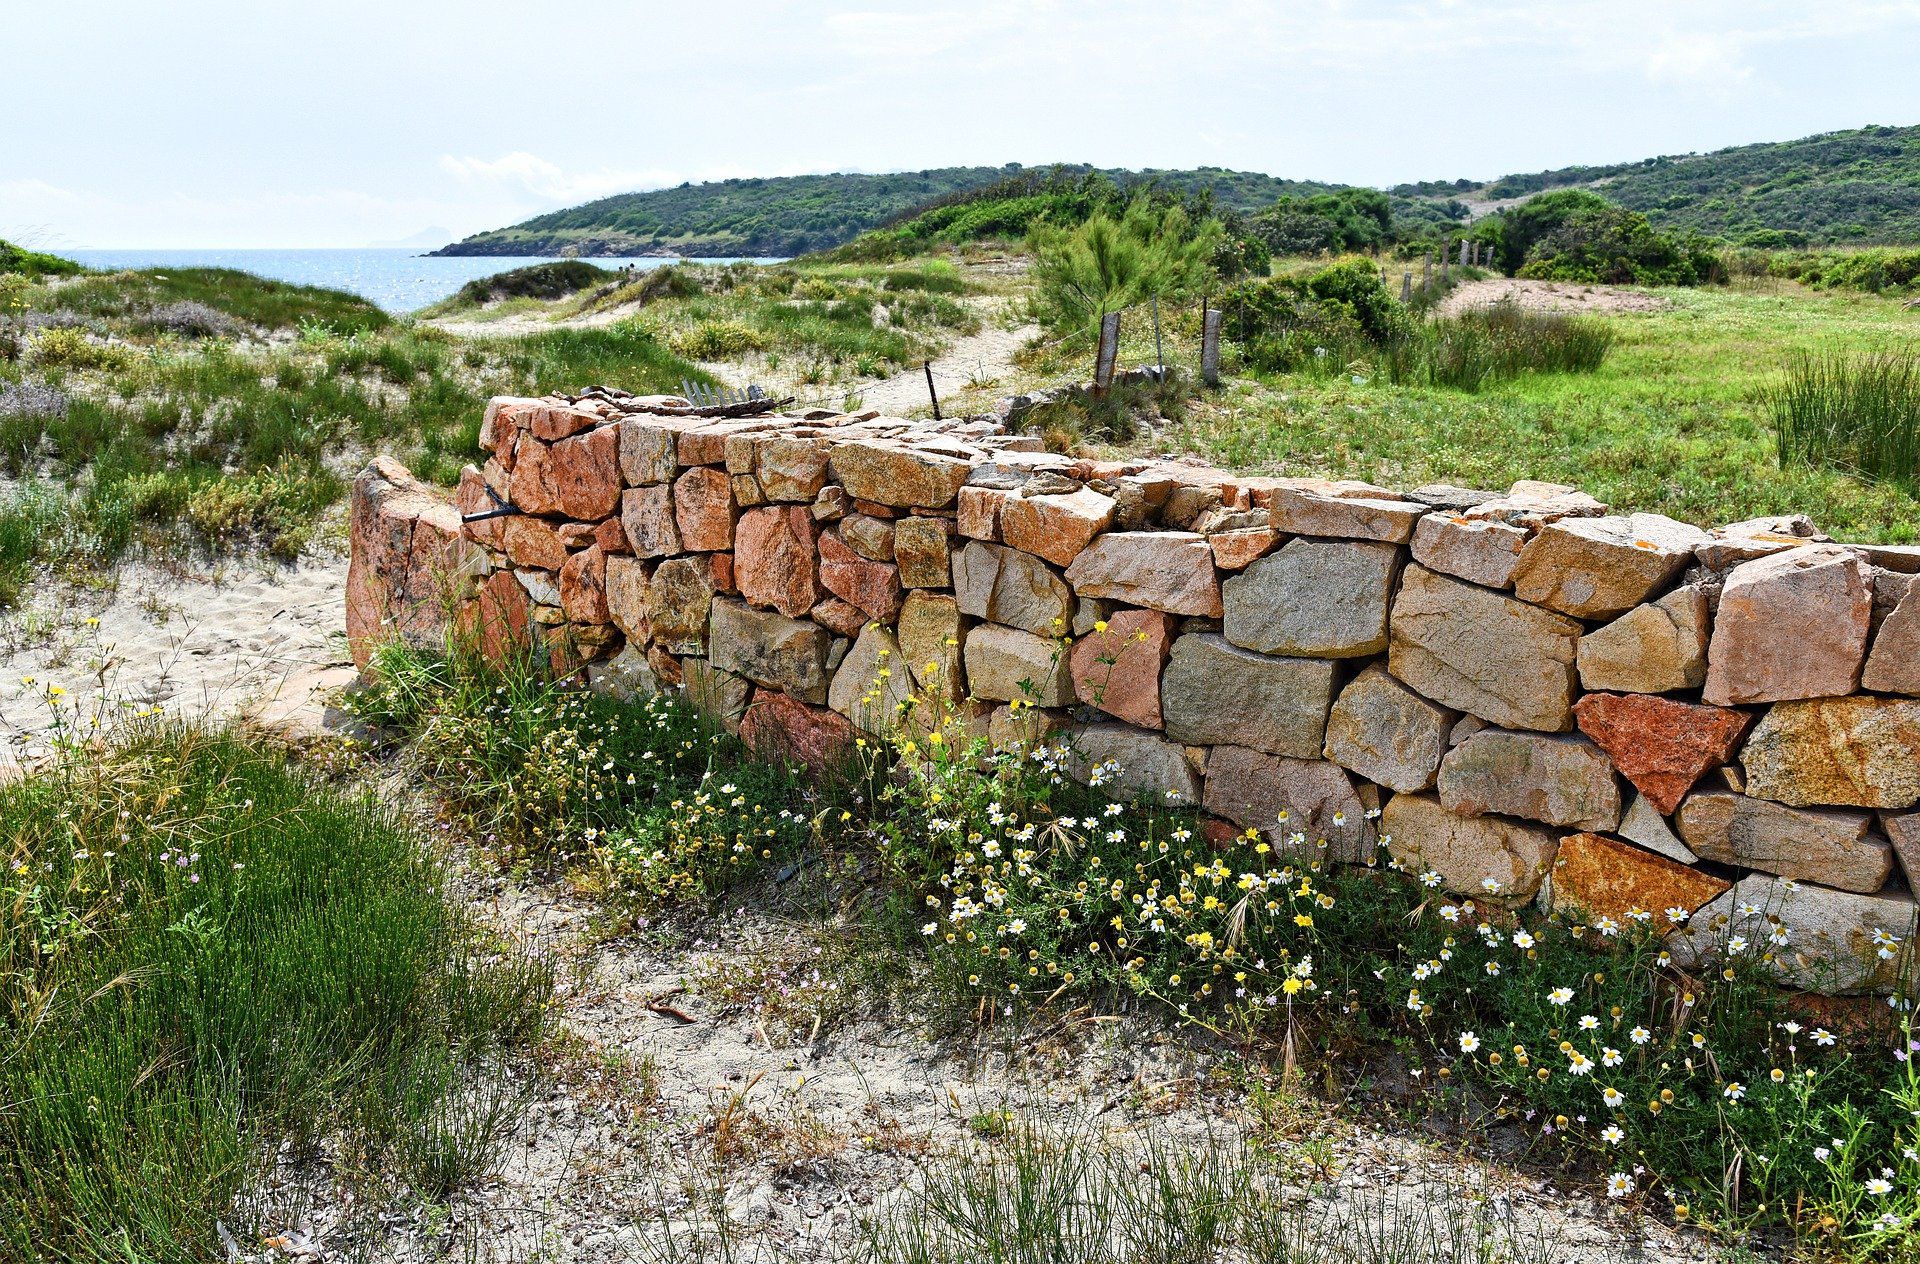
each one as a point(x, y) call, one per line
point(1574, 235)
point(34, 263)
point(540, 280)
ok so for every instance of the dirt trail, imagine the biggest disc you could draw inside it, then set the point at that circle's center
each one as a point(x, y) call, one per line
point(973, 360)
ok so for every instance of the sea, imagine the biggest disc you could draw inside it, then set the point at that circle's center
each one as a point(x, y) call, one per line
point(398, 280)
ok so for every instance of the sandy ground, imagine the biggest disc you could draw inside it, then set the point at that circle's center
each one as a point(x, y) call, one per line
point(976, 360)
point(1550, 296)
point(246, 636)
point(795, 1135)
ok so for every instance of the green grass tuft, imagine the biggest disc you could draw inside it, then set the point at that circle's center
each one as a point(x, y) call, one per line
point(204, 954)
point(1854, 411)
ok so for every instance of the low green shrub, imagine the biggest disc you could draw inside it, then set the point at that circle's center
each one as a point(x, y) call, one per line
point(71, 348)
point(1856, 411)
point(204, 955)
point(715, 340)
point(541, 280)
point(660, 803)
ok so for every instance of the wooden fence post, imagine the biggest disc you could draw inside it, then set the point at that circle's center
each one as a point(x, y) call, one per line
point(1109, 351)
point(1406, 286)
point(1159, 356)
point(1210, 347)
point(1463, 252)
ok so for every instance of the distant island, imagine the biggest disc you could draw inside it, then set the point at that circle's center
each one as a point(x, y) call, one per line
point(1852, 187)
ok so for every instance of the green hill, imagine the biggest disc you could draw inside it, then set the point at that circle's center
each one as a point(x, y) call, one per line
point(1858, 187)
point(1854, 187)
point(791, 215)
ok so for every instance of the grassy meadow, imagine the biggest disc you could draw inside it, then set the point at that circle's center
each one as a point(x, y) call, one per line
point(1676, 420)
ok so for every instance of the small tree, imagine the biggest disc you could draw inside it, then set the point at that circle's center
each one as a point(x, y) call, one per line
point(1106, 264)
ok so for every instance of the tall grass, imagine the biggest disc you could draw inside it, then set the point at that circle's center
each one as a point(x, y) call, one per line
point(1857, 411)
point(1477, 348)
point(206, 956)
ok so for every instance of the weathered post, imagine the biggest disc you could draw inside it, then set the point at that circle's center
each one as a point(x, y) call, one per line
point(1445, 256)
point(1463, 252)
point(1109, 351)
point(931, 393)
point(1406, 286)
point(1159, 356)
point(1210, 347)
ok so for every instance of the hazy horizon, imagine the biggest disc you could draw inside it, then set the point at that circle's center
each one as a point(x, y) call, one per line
point(219, 124)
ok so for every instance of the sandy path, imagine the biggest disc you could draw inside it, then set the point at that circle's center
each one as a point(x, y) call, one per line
point(974, 360)
point(799, 1139)
point(1550, 296)
point(247, 636)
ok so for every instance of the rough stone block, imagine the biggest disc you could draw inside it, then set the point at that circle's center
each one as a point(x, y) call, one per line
point(679, 604)
point(1480, 551)
point(533, 542)
point(775, 558)
point(1792, 625)
point(628, 580)
point(1660, 745)
point(872, 686)
point(1128, 763)
point(1055, 527)
point(1309, 511)
point(1005, 664)
point(1596, 568)
point(703, 510)
point(871, 538)
point(647, 448)
point(1641, 824)
point(872, 587)
point(1829, 846)
point(1652, 648)
point(1215, 693)
point(1834, 938)
point(1478, 651)
point(1287, 798)
point(583, 587)
point(1118, 669)
point(921, 548)
point(1314, 599)
point(890, 474)
point(1608, 878)
point(1387, 733)
point(931, 633)
point(1857, 751)
point(646, 515)
point(769, 649)
point(1563, 781)
point(584, 473)
point(1162, 570)
point(1007, 586)
point(780, 727)
point(1468, 852)
point(1894, 664)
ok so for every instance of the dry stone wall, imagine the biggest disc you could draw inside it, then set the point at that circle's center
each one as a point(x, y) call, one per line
point(1516, 693)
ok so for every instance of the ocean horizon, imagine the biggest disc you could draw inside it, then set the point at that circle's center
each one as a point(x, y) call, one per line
point(397, 279)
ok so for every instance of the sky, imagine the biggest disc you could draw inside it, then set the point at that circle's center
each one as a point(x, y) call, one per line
point(249, 123)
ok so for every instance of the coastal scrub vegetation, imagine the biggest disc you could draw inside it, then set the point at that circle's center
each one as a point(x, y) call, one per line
point(1004, 891)
point(216, 409)
point(213, 964)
